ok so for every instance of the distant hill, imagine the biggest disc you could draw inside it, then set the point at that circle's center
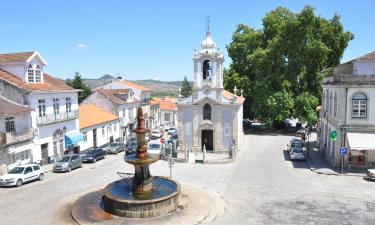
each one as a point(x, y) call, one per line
point(160, 88)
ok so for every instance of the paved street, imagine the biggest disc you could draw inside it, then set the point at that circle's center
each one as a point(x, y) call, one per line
point(261, 187)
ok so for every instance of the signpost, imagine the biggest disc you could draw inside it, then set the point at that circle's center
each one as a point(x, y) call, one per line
point(343, 152)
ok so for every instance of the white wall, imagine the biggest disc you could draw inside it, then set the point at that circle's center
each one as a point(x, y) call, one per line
point(364, 68)
point(101, 139)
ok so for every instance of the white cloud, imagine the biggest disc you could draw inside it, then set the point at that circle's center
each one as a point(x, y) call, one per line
point(156, 78)
point(81, 46)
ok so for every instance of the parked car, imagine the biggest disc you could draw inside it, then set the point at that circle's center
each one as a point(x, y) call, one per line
point(22, 174)
point(67, 163)
point(371, 174)
point(94, 155)
point(294, 143)
point(155, 134)
point(172, 131)
point(131, 147)
point(297, 154)
point(154, 147)
point(115, 148)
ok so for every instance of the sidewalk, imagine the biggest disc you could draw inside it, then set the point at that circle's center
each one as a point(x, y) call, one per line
point(318, 165)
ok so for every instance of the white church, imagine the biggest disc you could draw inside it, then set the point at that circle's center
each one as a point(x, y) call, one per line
point(212, 116)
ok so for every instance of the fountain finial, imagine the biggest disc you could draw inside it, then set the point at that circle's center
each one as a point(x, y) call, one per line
point(141, 133)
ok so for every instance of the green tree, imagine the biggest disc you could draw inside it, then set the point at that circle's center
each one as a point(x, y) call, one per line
point(186, 88)
point(77, 83)
point(282, 62)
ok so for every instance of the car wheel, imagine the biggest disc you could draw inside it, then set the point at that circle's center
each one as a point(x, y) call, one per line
point(69, 168)
point(94, 160)
point(41, 177)
point(80, 165)
point(105, 155)
point(19, 183)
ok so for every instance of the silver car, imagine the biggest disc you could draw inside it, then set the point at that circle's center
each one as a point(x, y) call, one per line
point(371, 174)
point(297, 154)
point(67, 163)
point(294, 143)
point(115, 148)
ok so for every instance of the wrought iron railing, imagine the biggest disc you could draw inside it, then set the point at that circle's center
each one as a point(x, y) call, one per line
point(54, 118)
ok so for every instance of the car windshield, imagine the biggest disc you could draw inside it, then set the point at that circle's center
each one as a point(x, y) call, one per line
point(295, 145)
point(298, 151)
point(115, 144)
point(64, 159)
point(154, 146)
point(16, 170)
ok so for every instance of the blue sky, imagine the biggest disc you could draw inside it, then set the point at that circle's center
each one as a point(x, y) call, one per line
point(150, 39)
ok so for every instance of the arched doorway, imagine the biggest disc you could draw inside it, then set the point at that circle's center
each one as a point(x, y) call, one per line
point(208, 139)
point(58, 143)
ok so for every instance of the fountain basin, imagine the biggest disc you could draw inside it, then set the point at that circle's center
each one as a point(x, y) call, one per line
point(119, 198)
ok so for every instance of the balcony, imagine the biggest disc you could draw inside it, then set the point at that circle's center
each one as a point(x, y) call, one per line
point(55, 118)
point(16, 137)
point(349, 79)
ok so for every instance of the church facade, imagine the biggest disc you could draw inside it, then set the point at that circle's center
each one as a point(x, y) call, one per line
point(211, 116)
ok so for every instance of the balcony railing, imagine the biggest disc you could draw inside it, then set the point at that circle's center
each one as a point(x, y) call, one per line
point(15, 137)
point(54, 118)
point(350, 79)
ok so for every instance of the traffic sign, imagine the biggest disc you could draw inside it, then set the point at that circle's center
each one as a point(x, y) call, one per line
point(333, 135)
point(343, 150)
point(162, 140)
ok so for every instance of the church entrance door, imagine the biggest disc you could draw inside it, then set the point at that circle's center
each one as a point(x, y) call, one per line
point(208, 139)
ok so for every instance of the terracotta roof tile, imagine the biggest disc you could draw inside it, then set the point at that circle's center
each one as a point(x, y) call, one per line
point(369, 56)
point(8, 107)
point(91, 115)
point(165, 105)
point(50, 84)
point(136, 86)
point(228, 95)
point(111, 94)
point(15, 57)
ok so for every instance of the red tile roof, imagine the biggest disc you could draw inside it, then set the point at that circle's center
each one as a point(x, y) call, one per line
point(8, 107)
point(369, 56)
point(228, 95)
point(165, 105)
point(15, 57)
point(50, 84)
point(136, 86)
point(91, 115)
point(111, 94)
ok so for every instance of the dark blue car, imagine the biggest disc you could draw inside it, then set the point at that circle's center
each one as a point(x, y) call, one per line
point(94, 155)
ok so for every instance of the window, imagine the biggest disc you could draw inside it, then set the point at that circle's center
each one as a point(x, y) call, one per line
point(359, 106)
point(56, 106)
point(38, 74)
point(103, 131)
point(206, 69)
point(330, 102)
point(28, 170)
point(114, 127)
point(206, 112)
point(42, 107)
point(167, 117)
point(85, 137)
point(335, 105)
point(123, 113)
point(130, 113)
point(68, 104)
point(9, 124)
point(110, 128)
point(36, 168)
point(30, 73)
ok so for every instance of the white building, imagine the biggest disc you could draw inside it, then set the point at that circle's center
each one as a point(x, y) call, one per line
point(348, 108)
point(16, 134)
point(211, 117)
point(54, 104)
point(120, 102)
point(168, 111)
point(141, 93)
point(99, 127)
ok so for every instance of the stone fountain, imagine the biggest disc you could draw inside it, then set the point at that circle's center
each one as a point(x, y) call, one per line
point(137, 195)
point(141, 195)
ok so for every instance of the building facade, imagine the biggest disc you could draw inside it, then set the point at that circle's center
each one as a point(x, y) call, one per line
point(168, 111)
point(348, 109)
point(55, 104)
point(212, 116)
point(16, 134)
point(120, 102)
point(99, 127)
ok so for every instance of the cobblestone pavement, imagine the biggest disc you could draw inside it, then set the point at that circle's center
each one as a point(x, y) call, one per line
point(261, 187)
